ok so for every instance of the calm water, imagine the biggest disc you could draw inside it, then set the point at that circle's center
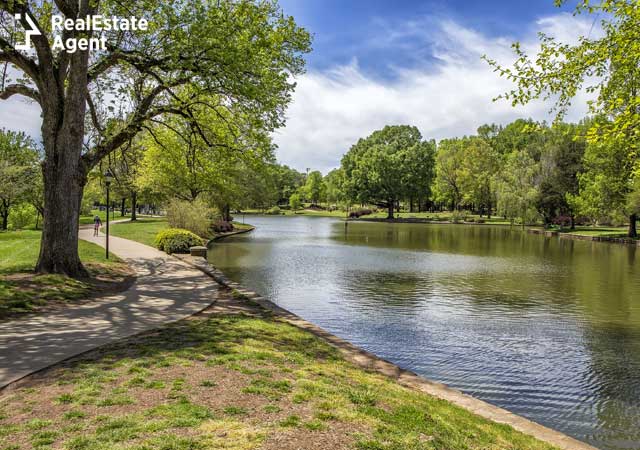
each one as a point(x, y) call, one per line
point(546, 328)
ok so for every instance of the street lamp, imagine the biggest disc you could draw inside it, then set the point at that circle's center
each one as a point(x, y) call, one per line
point(108, 178)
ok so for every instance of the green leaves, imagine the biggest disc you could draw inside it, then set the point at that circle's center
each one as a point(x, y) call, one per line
point(388, 165)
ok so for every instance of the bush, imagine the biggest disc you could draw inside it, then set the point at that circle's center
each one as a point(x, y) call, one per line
point(458, 216)
point(21, 216)
point(275, 211)
point(562, 221)
point(176, 240)
point(196, 216)
point(222, 226)
point(360, 212)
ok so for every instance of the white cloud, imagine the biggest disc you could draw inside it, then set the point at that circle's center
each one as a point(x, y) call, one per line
point(332, 109)
point(19, 114)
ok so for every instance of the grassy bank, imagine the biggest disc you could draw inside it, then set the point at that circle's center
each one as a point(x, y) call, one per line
point(382, 214)
point(144, 230)
point(22, 291)
point(241, 381)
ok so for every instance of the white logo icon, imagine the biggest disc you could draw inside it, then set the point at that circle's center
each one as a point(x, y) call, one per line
point(34, 31)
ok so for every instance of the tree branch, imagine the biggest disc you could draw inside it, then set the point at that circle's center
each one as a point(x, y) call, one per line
point(20, 89)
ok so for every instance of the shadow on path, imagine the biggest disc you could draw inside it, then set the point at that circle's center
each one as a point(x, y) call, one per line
point(166, 290)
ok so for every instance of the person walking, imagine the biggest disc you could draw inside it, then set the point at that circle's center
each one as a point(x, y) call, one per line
point(97, 223)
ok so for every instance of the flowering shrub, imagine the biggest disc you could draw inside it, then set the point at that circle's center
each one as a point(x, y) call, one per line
point(360, 212)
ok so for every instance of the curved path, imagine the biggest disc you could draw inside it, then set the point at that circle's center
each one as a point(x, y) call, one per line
point(166, 290)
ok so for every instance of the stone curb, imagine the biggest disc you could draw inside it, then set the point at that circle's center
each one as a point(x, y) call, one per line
point(406, 378)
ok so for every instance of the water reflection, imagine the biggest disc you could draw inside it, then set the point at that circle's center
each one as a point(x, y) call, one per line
point(547, 328)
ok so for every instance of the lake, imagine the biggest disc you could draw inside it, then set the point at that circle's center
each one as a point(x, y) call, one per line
point(544, 327)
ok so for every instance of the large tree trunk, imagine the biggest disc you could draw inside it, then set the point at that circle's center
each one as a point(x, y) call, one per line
point(633, 233)
point(134, 206)
point(63, 195)
point(123, 207)
point(64, 172)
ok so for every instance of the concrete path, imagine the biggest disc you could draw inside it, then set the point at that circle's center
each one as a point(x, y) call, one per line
point(166, 290)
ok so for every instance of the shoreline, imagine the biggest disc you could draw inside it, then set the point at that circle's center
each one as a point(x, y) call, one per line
point(219, 236)
point(407, 378)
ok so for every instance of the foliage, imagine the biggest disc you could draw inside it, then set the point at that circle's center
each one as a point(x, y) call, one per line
point(294, 202)
point(314, 188)
point(95, 101)
point(196, 216)
point(605, 65)
point(360, 212)
point(516, 190)
point(222, 226)
point(176, 240)
point(378, 169)
point(19, 171)
point(275, 211)
point(22, 216)
point(287, 182)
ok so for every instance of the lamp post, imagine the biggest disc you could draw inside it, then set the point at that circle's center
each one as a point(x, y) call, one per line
point(108, 177)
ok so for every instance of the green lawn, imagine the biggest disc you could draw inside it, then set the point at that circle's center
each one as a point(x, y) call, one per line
point(143, 230)
point(382, 214)
point(234, 382)
point(600, 231)
point(23, 291)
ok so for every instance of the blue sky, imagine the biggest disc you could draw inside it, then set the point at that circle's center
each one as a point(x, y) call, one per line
point(348, 29)
point(381, 62)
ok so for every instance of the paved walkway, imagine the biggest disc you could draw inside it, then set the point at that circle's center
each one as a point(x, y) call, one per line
point(166, 290)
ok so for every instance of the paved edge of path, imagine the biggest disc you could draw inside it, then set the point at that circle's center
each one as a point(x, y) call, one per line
point(146, 309)
point(407, 378)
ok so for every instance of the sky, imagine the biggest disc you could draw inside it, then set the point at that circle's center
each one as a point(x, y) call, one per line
point(381, 62)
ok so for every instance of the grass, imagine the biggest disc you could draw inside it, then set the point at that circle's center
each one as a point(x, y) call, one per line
point(275, 385)
point(382, 214)
point(22, 291)
point(143, 230)
point(600, 231)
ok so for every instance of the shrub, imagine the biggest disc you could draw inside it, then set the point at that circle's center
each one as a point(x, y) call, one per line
point(196, 216)
point(21, 216)
point(562, 221)
point(176, 240)
point(275, 211)
point(295, 202)
point(360, 212)
point(458, 216)
point(222, 226)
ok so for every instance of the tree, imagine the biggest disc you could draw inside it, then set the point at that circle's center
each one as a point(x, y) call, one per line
point(244, 51)
point(314, 187)
point(516, 187)
point(449, 161)
point(419, 171)
point(287, 182)
point(478, 169)
point(560, 166)
point(295, 202)
point(18, 171)
point(606, 182)
point(334, 187)
point(375, 168)
point(607, 66)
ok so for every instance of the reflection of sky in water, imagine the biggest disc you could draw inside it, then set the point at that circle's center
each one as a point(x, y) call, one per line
point(549, 329)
